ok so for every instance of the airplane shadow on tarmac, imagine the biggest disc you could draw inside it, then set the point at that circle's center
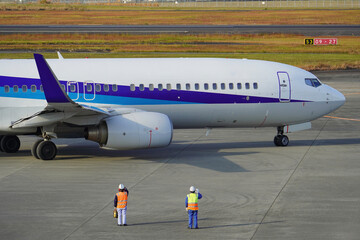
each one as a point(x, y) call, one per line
point(204, 155)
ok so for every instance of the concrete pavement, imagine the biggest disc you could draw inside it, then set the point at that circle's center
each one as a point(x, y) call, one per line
point(251, 189)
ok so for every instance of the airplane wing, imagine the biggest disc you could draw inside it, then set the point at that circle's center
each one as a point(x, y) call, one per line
point(60, 107)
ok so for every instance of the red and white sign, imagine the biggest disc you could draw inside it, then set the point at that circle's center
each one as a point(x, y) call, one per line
point(325, 41)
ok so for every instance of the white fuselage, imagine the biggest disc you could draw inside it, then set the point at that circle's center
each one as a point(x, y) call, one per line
point(193, 92)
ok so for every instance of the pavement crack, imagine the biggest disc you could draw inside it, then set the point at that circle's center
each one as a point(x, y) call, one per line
point(17, 170)
point(288, 180)
point(134, 185)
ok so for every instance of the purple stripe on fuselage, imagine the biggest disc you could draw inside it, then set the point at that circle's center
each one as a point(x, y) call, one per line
point(172, 95)
point(19, 81)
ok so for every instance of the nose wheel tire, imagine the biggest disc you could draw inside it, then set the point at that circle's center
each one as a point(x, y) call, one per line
point(281, 140)
point(46, 150)
point(10, 144)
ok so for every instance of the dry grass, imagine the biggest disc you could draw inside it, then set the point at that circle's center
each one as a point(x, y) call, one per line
point(185, 5)
point(210, 43)
point(274, 47)
point(167, 17)
point(284, 48)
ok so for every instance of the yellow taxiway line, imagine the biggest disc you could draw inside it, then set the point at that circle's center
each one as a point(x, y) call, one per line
point(348, 119)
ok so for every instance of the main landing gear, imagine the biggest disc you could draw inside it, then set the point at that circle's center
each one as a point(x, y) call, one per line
point(44, 149)
point(9, 144)
point(280, 139)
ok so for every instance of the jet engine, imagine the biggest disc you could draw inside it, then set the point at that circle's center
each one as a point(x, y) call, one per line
point(133, 130)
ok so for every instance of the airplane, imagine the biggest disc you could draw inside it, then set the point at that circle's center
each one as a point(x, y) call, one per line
point(136, 103)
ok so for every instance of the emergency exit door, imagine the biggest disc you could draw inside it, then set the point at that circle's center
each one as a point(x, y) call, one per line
point(284, 87)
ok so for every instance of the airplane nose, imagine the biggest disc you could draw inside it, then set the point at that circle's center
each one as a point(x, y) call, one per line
point(337, 99)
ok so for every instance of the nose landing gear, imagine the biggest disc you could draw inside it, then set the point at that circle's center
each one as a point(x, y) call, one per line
point(280, 139)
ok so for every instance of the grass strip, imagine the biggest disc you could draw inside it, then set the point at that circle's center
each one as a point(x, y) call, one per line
point(195, 43)
point(176, 17)
point(285, 48)
point(46, 5)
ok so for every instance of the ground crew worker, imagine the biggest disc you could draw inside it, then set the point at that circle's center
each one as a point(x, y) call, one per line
point(120, 204)
point(192, 206)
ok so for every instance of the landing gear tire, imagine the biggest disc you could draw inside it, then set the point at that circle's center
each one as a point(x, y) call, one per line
point(34, 148)
point(10, 144)
point(46, 150)
point(277, 140)
point(281, 140)
point(0, 142)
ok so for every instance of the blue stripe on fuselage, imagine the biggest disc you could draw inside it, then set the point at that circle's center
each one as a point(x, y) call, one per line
point(124, 96)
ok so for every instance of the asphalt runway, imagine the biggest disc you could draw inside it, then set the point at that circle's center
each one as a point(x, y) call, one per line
point(251, 189)
point(307, 30)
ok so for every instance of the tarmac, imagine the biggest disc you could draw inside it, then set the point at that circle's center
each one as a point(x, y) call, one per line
point(251, 189)
point(306, 30)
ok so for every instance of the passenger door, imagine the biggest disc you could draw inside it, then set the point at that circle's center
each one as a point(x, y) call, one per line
point(284, 87)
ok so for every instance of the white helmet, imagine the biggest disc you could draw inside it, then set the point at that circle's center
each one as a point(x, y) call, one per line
point(121, 186)
point(192, 189)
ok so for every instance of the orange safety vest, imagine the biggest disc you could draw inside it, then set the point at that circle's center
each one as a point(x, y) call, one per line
point(193, 201)
point(121, 199)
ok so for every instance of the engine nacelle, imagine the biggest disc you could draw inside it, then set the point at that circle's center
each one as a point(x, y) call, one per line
point(133, 130)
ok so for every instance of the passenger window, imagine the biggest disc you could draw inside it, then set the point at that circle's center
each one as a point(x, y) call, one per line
point(255, 85)
point(231, 86)
point(178, 86)
point(6, 88)
point(238, 85)
point(247, 85)
point(41, 88)
point(151, 87)
point(24, 88)
point(106, 87)
point(223, 86)
point(168, 87)
point(132, 87)
point(98, 87)
point(141, 87)
point(63, 87)
point(206, 86)
point(72, 88)
point(197, 86)
point(160, 87)
point(33, 88)
point(15, 88)
point(214, 86)
point(114, 88)
point(188, 86)
point(89, 87)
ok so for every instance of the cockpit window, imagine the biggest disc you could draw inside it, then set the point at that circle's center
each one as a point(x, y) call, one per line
point(313, 82)
point(316, 82)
